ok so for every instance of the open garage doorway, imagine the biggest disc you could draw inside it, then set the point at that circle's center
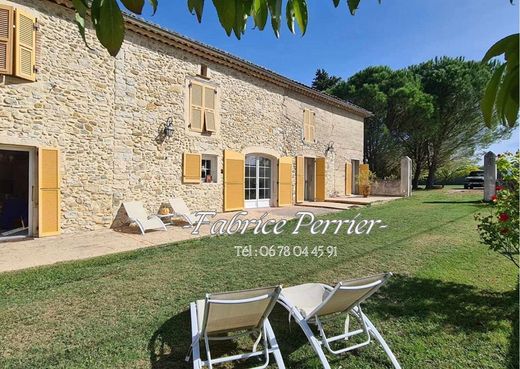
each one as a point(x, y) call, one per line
point(15, 193)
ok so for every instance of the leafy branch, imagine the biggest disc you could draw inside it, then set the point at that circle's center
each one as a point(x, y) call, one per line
point(501, 95)
point(107, 17)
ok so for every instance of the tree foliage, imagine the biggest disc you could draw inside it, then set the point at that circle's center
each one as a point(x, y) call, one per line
point(323, 81)
point(370, 89)
point(456, 127)
point(409, 112)
point(501, 97)
point(429, 112)
point(234, 15)
point(454, 169)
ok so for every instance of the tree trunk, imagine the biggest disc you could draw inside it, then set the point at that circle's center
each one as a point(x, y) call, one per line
point(432, 169)
point(416, 176)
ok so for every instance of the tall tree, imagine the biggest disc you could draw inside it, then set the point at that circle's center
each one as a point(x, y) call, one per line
point(369, 88)
point(409, 111)
point(323, 81)
point(456, 126)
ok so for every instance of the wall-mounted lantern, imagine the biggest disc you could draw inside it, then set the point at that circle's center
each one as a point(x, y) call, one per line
point(330, 147)
point(168, 128)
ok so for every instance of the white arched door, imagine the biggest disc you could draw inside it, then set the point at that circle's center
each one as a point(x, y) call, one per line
point(258, 188)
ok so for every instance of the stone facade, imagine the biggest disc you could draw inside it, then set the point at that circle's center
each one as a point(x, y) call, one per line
point(105, 115)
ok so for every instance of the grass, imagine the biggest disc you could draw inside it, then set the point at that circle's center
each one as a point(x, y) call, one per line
point(451, 304)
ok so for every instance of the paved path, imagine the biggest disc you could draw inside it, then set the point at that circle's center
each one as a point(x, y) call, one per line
point(360, 200)
point(347, 202)
point(327, 205)
point(17, 255)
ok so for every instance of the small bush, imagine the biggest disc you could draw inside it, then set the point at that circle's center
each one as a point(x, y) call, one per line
point(500, 228)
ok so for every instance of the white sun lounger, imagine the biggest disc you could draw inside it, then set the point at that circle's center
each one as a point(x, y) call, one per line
point(137, 214)
point(311, 303)
point(239, 313)
point(180, 209)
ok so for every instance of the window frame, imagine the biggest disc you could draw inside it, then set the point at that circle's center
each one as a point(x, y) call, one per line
point(213, 159)
point(188, 107)
point(17, 49)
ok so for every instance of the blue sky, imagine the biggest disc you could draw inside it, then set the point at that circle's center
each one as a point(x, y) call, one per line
point(396, 33)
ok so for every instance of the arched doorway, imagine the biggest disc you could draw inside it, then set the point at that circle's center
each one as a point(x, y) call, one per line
point(258, 181)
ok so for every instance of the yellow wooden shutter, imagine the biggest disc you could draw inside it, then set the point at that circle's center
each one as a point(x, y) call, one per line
point(285, 181)
point(319, 191)
point(49, 209)
point(300, 178)
point(348, 178)
point(312, 126)
point(25, 46)
point(364, 174)
point(196, 107)
point(209, 108)
point(191, 168)
point(6, 39)
point(234, 181)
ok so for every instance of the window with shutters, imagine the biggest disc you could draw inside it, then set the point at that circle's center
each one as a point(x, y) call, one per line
point(202, 107)
point(309, 126)
point(6, 39)
point(17, 43)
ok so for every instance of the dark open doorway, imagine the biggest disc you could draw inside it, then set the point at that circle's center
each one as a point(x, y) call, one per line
point(309, 172)
point(355, 177)
point(14, 193)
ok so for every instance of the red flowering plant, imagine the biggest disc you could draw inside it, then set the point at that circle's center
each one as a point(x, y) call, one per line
point(500, 228)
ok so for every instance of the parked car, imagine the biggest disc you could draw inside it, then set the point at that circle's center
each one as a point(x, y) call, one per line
point(475, 179)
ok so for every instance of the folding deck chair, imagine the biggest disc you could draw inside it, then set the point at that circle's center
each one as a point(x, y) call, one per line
point(312, 302)
point(137, 214)
point(180, 209)
point(239, 313)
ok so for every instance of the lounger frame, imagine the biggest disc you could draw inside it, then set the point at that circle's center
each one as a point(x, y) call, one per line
point(367, 327)
point(133, 219)
point(141, 226)
point(265, 332)
point(185, 216)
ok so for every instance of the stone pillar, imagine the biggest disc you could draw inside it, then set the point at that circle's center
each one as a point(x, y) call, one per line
point(490, 175)
point(406, 176)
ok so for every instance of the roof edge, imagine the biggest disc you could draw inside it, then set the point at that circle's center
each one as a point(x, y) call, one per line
point(221, 57)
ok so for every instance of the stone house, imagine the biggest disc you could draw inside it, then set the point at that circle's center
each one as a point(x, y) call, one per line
point(81, 132)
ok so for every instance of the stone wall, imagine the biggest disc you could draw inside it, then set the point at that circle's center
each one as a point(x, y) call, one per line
point(401, 186)
point(386, 188)
point(105, 115)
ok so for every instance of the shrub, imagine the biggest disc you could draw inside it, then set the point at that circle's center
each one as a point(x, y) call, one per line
point(500, 228)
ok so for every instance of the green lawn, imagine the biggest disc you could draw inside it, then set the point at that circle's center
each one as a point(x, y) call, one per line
point(451, 303)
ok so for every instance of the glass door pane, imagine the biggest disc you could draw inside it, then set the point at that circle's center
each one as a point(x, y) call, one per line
point(257, 181)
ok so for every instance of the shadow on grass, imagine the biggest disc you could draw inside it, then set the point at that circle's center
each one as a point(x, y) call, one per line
point(514, 343)
point(447, 306)
point(170, 343)
point(476, 202)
